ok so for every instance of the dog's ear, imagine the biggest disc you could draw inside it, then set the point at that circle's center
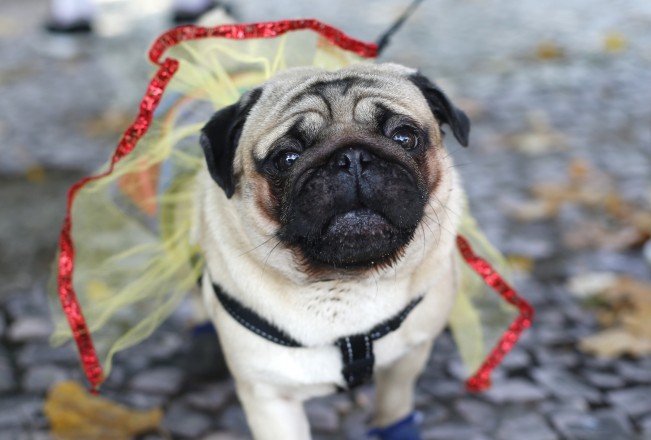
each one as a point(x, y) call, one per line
point(220, 136)
point(443, 110)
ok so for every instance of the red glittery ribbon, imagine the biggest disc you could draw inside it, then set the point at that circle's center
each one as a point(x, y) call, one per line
point(137, 130)
point(481, 379)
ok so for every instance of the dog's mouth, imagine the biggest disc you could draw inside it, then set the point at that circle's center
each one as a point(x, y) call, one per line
point(360, 238)
point(357, 222)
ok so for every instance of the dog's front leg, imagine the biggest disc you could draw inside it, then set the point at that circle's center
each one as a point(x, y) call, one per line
point(272, 414)
point(395, 386)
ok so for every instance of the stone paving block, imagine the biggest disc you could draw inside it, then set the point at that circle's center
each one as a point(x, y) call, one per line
point(39, 353)
point(635, 402)
point(558, 358)
point(213, 397)
point(19, 411)
point(7, 375)
point(575, 404)
point(354, 426)
point(29, 328)
point(603, 381)
point(40, 378)
point(516, 359)
point(633, 372)
point(451, 431)
point(516, 390)
point(323, 417)
point(600, 425)
point(159, 380)
point(551, 336)
point(183, 422)
point(233, 419)
point(27, 303)
point(477, 413)
point(564, 385)
point(530, 426)
point(645, 425)
point(443, 389)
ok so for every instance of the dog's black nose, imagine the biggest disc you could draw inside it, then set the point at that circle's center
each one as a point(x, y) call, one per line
point(353, 159)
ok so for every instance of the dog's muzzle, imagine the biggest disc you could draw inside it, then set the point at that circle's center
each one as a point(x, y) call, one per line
point(357, 208)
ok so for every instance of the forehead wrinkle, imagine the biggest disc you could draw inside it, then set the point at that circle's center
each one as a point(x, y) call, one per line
point(266, 138)
point(373, 103)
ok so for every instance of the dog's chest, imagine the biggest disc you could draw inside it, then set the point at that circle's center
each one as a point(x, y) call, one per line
point(318, 317)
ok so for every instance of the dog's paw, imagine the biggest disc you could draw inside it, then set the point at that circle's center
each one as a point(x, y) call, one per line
point(404, 429)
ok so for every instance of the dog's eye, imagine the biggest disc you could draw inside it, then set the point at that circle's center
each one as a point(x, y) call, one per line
point(406, 138)
point(285, 160)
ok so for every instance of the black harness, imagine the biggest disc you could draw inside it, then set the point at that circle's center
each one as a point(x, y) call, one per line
point(356, 350)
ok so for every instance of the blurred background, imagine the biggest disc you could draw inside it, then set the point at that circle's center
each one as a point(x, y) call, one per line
point(558, 173)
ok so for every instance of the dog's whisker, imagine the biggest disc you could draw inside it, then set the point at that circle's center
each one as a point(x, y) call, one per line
point(256, 247)
point(266, 260)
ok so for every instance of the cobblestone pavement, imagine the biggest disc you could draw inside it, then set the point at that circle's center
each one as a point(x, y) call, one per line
point(555, 89)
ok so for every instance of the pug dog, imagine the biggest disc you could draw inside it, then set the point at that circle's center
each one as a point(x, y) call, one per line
point(327, 213)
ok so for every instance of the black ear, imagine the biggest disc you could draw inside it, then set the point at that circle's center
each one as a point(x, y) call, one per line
point(443, 110)
point(220, 136)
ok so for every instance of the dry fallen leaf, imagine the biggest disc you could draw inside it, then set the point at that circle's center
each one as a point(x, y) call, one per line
point(615, 342)
point(539, 138)
point(35, 174)
point(548, 50)
point(614, 223)
point(75, 414)
point(625, 308)
point(615, 42)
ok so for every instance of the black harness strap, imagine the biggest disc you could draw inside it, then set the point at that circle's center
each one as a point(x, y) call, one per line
point(254, 322)
point(358, 359)
point(356, 350)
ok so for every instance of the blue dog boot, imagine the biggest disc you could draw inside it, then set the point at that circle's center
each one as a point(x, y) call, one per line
point(405, 429)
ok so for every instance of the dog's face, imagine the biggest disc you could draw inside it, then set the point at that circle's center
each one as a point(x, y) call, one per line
point(339, 166)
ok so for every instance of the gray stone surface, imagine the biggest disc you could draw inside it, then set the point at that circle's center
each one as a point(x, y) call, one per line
point(604, 380)
point(323, 416)
point(564, 385)
point(451, 431)
point(38, 353)
point(477, 413)
point(212, 398)
point(600, 425)
point(29, 328)
point(7, 375)
point(633, 372)
point(515, 391)
point(19, 411)
point(531, 426)
point(41, 377)
point(635, 402)
point(183, 422)
point(160, 380)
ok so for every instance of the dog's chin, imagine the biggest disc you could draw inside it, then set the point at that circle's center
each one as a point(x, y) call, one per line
point(357, 239)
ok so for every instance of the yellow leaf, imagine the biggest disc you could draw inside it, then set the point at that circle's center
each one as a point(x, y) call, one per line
point(35, 174)
point(615, 42)
point(75, 414)
point(549, 51)
point(521, 263)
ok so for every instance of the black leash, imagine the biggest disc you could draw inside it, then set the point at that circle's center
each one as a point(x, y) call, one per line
point(384, 39)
